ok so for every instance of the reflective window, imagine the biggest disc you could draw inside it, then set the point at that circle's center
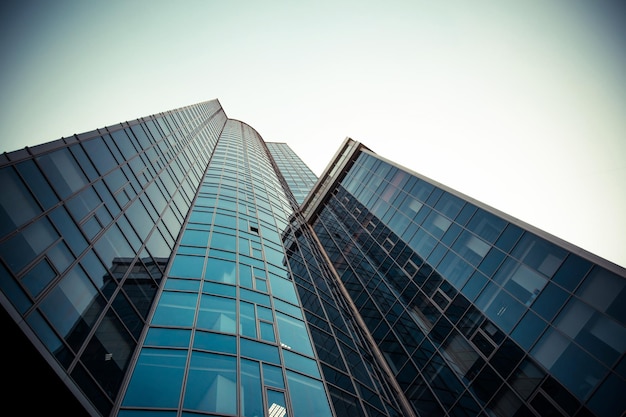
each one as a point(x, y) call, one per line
point(215, 341)
point(605, 291)
point(16, 204)
point(38, 277)
point(308, 396)
point(168, 337)
point(187, 267)
point(63, 171)
point(539, 254)
point(220, 270)
point(293, 334)
point(24, 247)
point(212, 383)
point(153, 367)
point(175, 309)
point(251, 397)
point(71, 305)
point(217, 313)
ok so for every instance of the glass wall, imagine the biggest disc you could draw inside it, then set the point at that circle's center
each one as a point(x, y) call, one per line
point(473, 313)
point(88, 224)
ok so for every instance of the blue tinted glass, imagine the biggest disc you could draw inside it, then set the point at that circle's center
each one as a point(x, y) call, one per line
point(175, 309)
point(36, 182)
point(72, 302)
point(247, 320)
point(168, 337)
point(283, 288)
point(15, 293)
point(212, 383)
point(100, 155)
point(217, 313)
point(220, 270)
point(182, 284)
point(273, 376)
point(605, 402)
point(605, 291)
point(293, 334)
point(153, 367)
point(539, 254)
point(70, 231)
point(251, 390)
point(276, 403)
point(308, 397)
point(486, 225)
point(39, 277)
point(187, 266)
point(287, 308)
point(528, 330)
point(63, 171)
point(215, 341)
point(259, 351)
point(219, 289)
point(550, 300)
point(254, 297)
point(195, 238)
point(267, 331)
point(300, 363)
point(572, 272)
point(24, 247)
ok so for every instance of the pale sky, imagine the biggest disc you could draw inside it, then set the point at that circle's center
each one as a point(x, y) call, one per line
point(519, 104)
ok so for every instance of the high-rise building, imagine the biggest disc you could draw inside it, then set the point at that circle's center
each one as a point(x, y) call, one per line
point(179, 265)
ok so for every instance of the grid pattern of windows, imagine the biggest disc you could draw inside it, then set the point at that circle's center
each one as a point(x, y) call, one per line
point(299, 177)
point(228, 311)
point(88, 224)
point(471, 311)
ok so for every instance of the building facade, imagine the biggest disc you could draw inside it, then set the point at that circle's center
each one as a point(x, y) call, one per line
point(179, 265)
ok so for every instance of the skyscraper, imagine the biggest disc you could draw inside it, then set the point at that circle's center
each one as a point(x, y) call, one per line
point(179, 265)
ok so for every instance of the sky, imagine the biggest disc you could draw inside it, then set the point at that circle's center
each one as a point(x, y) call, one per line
point(518, 104)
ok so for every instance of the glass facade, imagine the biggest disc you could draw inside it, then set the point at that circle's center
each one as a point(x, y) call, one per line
point(474, 314)
point(179, 265)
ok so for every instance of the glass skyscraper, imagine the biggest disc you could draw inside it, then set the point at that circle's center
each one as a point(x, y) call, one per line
point(179, 265)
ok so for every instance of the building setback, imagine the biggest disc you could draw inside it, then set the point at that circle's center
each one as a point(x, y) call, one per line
point(179, 265)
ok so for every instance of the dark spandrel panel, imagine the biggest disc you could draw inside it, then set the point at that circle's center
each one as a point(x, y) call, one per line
point(17, 205)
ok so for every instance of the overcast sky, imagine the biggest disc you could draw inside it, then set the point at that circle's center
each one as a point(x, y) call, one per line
point(519, 104)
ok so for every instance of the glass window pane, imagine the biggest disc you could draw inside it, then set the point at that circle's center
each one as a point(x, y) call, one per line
point(153, 367)
point(293, 334)
point(187, 266)
point(605, 291)
point(259, 351)
point(273, 376)
point(283, 288)
point(63, 171)
point(175, 309)
point(276, 403)
point(17, 205)
point(215, 341)
point(251, 397)
point(247, 320)
point(212, 383)
point(168, 337)
point(217, 313)
point(220, 270)
point(308, 397)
